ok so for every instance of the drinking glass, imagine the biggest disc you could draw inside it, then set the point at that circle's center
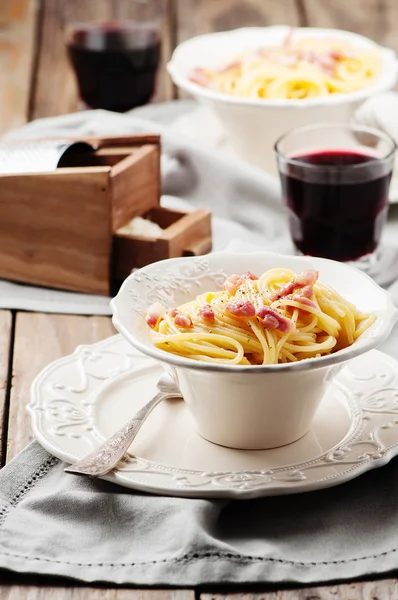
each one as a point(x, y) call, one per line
point(335, 182)
point(115, 63)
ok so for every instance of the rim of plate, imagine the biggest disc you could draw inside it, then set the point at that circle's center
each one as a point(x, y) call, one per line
point(359, 347)
point(121, 478)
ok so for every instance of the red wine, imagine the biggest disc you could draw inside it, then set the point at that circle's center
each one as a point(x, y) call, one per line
point(337, 202)
point(115, 65)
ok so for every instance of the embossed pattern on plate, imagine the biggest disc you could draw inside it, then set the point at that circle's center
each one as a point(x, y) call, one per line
point(80, 400)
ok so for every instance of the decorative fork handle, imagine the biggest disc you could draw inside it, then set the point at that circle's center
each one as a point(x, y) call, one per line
point(106, 457)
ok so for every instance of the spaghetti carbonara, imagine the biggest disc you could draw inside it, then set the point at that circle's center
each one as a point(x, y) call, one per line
point(279, 317)
point(299, 69)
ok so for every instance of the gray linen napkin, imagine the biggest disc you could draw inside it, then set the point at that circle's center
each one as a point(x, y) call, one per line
point(57, 524)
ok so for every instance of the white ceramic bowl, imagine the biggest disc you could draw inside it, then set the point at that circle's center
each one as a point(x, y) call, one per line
point(251, 407)
point(253, 125)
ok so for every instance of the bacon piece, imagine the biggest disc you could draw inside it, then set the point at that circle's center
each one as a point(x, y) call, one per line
point(240, 308)
point(307, 291)
point(155, 311)
point(207, 313)
point(232, 283)
point(307, 278)
point(305, 300)
point(326, 62)
point(199, 76)
point(173, 312)
point(249, 275)
point(336, 54)
point(340, 54)
point(183, 320)
point(151, 320)
point(236, 64)
point(270, 322)
point(271, 319)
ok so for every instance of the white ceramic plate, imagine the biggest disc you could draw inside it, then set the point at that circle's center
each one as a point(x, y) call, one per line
point(83, 398)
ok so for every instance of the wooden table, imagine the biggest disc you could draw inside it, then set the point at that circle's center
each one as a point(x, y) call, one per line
point(28, 342)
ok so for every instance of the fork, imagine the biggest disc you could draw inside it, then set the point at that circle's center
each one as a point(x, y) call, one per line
point(106, 457)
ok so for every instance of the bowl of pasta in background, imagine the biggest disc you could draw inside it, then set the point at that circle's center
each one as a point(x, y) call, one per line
point(254, 123)
point(243, 405)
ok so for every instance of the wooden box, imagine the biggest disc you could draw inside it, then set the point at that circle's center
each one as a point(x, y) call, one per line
point(60, 229)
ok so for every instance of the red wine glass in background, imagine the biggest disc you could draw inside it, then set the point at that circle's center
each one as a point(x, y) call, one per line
point(115, 63)
point(335, 182)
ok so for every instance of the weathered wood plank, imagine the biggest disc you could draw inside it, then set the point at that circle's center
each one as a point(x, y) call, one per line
point(386, 589)
point(18, 592)
point(195, 17)
point(56, 89)
point(376, 19)
point(39, 340)
point(17, 35)
point(5, 345)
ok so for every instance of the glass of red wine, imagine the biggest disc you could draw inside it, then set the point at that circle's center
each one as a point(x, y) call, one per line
point(115, 63)
point(335, 182)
